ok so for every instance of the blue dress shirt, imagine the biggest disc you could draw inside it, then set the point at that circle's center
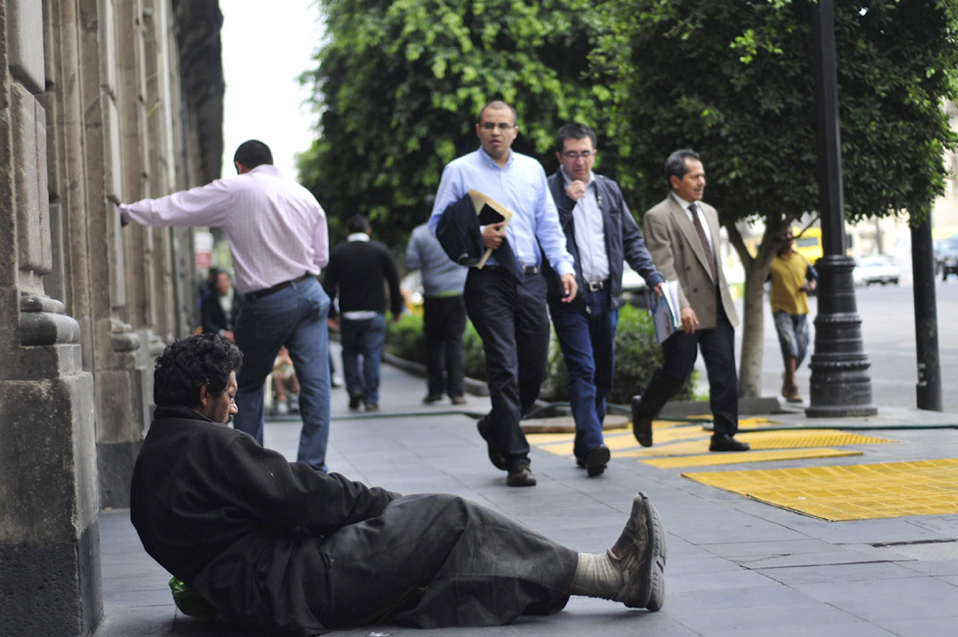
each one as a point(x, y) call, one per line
point(522, 188)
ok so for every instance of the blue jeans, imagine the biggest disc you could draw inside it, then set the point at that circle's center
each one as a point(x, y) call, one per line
point(295, 317)
point(587, 338)
point(792, 335)
point(363, 338)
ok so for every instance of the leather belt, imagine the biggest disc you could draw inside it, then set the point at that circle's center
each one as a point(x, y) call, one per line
point(530, 270)
point(595, 286)
point(258, 294)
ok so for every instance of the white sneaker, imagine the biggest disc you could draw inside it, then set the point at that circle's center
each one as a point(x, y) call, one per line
point(282, 408)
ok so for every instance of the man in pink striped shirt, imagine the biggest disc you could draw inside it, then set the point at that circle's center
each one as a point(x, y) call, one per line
point(277, 232)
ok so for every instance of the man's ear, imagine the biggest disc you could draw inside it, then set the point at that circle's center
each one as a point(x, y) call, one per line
point(204, 394)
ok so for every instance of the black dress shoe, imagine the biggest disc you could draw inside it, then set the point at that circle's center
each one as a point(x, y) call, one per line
point(432, 398)
point(521, 476)
point(596, 461)
point(355, 400)
point(725, 442)
point(496, 458)
point(641, 424)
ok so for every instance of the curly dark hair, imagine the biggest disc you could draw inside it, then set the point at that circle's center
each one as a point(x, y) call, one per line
point(187, 363)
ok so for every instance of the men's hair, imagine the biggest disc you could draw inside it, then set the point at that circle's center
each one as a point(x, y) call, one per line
point(358, 223)
point(498, 105)
point(575, 130)
point(675, 164)
point(253, 153)
point(188, 363)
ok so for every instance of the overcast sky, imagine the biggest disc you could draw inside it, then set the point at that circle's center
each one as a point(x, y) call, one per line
point(266, 45)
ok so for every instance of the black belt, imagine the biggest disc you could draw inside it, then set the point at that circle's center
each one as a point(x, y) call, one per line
point(528, 270)
point(595, 286)
point(258, 294)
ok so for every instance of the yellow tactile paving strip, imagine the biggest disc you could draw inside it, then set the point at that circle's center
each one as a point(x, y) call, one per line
point(718, 459)
point(854, 492)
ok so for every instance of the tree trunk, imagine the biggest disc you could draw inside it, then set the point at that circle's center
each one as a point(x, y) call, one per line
point(753, 331)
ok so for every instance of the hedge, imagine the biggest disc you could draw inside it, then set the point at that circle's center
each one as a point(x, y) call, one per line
point(637, 355)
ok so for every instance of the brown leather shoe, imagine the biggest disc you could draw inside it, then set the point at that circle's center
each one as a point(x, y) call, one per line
point(597, 460)
point(521, 476)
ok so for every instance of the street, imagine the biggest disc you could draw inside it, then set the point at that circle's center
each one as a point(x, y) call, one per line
point(888, 334)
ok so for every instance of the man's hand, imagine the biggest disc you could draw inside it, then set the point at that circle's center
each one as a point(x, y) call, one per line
point(658, 289)
point(332, 323)
point(576, 190)
point(228, 335)
point(569, 287)
point(493, 234)
point(689, 320)
point(397, 316)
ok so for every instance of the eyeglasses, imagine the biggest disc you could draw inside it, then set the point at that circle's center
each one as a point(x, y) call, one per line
point(503, 126)
point(573, 155)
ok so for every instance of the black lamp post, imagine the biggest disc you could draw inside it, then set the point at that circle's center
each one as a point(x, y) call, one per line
point(840, 384)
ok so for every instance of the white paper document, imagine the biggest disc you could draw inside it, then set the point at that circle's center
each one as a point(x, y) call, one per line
point(665, 310)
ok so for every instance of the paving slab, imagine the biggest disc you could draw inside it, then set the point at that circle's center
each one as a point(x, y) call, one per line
point(736, 566)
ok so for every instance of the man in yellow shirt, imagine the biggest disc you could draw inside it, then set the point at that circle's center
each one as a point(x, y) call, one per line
point(792, 277)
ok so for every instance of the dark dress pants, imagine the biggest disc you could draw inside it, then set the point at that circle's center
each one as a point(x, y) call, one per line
point(430, 561)
point(513, 323)
point(718, 352)
point(444, 321)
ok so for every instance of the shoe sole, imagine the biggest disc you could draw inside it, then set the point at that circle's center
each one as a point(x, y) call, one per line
point(596, 461)
point(496, 458)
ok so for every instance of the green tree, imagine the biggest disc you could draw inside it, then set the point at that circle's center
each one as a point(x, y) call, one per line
point(398, 85)
point(733, 80)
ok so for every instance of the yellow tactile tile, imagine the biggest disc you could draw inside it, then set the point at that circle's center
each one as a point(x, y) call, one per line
point(716, 459)
point(854, 492)
point(797, 439)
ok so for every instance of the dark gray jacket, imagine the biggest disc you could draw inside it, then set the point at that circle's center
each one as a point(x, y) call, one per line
point(623, 241)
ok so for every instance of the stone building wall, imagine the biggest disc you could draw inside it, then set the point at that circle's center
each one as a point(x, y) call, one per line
point(100, 101)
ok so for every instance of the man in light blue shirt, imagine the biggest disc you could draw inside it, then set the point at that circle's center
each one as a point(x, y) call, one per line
point(510, 315)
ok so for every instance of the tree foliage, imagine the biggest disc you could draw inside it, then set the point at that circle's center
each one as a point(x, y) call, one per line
point(398, 85)
point(734, 81)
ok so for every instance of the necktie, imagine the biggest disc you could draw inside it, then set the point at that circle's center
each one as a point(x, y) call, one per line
point(705, 242)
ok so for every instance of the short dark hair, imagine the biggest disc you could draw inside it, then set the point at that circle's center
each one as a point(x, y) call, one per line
point(253, 153)
point(358, 223)
point(675, 164)
point(188, 363)
point(574, 130)
point(498, 105)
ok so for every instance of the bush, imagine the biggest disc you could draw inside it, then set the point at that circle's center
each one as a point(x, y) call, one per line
point(637, 355)
point(405, 340)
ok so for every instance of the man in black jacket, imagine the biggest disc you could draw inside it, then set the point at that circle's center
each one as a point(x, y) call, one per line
point(600, 232)
point(356, 272)
point(221, 305)
point(277, 546)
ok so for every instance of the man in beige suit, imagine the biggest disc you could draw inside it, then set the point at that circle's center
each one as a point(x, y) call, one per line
point(682, 234)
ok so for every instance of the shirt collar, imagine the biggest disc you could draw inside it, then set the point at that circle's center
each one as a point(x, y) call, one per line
point(358, 236)
point(568, 179)
point(266, 169)
point(488, 158)
point(682, 202)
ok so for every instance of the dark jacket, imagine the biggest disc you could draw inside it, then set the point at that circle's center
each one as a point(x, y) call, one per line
point(356, 272)
point(239, 522)
point(212, 316)
point(623, 241)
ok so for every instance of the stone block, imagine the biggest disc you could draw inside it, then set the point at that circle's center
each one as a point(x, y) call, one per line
point(25, 53)
point(30, 180)
point(51, 588)
point(119, 421)
point(115, 467)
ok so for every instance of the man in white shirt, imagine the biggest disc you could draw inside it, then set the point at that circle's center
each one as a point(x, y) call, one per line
point(277, 232)
point(600, 234)
point(682, 234)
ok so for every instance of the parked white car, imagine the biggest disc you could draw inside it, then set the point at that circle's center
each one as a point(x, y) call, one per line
point(875, 269)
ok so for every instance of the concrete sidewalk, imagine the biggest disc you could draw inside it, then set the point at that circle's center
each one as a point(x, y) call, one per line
point(736, 566)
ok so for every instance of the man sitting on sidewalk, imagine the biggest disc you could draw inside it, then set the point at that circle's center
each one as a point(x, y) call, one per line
point(276, 545)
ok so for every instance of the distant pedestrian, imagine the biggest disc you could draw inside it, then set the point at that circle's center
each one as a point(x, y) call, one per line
point(219, 308)
point(792, 277)
point(359, 269)
point(444, 315)
point(277, 233)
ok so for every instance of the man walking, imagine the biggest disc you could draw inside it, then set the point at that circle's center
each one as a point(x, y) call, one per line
point(600, 232)
point(507, 305)
point(682, 234)
point(444, 315)
point(792, 277)
point(358, 269)
point(277, 233)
